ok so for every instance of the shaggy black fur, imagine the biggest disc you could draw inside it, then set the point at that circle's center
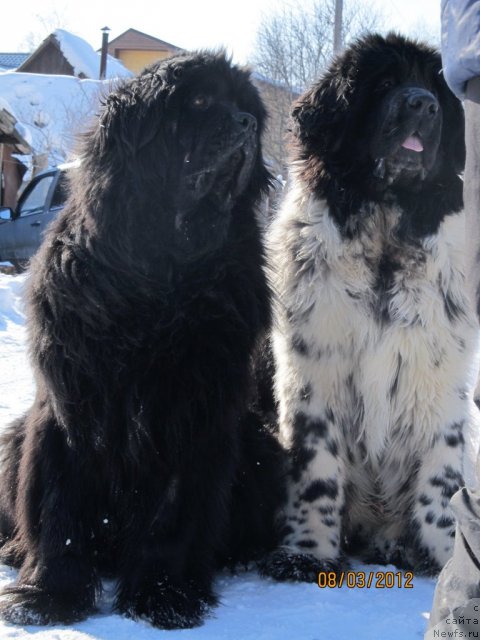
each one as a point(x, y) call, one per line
point(348, 130)
point(145, 304)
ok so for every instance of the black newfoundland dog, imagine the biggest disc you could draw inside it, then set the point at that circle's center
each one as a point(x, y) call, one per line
point(374, 337)
point(145, 305)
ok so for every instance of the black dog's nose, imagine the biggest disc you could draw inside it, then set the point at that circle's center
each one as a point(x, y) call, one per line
point(422, 101)
point(246, 121)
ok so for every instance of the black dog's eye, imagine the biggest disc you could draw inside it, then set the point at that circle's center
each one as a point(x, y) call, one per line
point(388, 83)
point(201, 101)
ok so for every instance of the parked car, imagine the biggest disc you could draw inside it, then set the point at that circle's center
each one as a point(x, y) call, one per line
point(22, 228)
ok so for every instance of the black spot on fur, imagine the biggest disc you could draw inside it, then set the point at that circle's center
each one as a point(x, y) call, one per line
point(285, 531)
point(329, 522)
point(306, 544)
point(319, 489)
point(353, 294)
point(304, 425)
point(332, 447)
point(444, 522)
point(394, 387)
point(326, 510)
point(453, 440)
point(452, 474)
point(450, 483)
point(430, 517)
point(299, 345)
point(425, 500)
point(453, 310)
point(329, 414)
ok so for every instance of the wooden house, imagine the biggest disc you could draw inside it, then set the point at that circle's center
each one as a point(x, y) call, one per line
point(49, 58)
point(136, 50)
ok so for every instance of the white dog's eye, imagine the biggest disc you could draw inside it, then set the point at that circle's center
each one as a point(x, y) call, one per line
point(201, 101)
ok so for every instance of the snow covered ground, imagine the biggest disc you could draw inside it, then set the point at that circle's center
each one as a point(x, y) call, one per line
point(251, 608)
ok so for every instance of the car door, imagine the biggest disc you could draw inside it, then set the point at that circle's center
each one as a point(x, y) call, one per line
point(30, 219)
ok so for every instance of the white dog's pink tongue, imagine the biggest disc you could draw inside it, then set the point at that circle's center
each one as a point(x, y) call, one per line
point(413, 143)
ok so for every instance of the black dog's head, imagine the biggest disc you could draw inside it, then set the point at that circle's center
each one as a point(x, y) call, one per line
point(382, 118)
point(181, 142)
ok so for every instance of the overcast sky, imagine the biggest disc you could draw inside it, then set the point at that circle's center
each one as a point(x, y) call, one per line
point(185, 23)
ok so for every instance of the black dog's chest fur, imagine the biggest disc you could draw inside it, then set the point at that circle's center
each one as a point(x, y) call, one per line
point(145, 304)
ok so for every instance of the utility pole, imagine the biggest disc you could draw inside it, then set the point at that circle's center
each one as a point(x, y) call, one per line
point(337, 27)
point(103, 55)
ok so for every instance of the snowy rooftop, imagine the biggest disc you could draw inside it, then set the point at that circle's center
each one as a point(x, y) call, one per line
point(51, 110)
point(84, 59)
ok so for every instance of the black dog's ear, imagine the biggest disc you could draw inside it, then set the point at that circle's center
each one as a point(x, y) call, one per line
point(131, 116)
point(319, 115)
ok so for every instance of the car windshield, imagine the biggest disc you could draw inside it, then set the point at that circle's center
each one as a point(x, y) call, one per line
point(35, 200)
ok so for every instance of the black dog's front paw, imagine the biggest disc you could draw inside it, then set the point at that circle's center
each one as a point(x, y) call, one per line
point(166, 605)
point(30, 605)
point(287, 564)
point(63, 590)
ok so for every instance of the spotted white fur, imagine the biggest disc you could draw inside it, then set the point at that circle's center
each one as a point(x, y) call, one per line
point(375, 386)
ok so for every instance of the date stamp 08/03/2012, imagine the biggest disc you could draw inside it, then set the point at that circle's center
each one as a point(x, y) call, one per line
point(364, 580)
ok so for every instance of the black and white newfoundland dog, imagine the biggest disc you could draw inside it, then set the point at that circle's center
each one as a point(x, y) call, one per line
point(145, 305)
point(374, 339)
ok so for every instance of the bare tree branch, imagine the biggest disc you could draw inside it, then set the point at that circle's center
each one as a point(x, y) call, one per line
point(46, 24)
point(292, 48)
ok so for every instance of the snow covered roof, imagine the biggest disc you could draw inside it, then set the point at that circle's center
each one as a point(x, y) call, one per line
point(84, 59)
point(51, 110)
point(12, 60)
point(78, 53)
